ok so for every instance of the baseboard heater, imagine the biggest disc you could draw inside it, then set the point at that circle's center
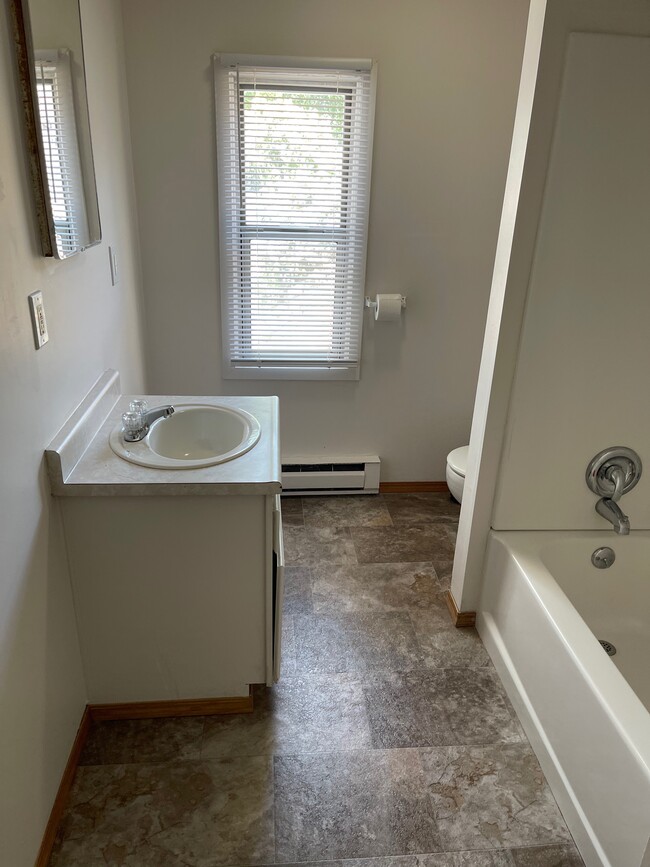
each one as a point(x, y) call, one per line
point(305, 476)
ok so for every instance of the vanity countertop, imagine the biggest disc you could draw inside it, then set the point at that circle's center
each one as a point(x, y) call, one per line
point(81, 462)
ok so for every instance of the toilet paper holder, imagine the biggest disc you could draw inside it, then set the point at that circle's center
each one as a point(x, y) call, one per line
point(373, 304)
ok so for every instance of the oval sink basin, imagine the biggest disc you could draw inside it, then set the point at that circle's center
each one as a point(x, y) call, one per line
point(196, 435)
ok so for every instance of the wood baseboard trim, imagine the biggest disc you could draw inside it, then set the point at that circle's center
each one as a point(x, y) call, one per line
point(127, 710)
point(173, 708)
point(58, 808)
point(413, 488)
point(460, 618)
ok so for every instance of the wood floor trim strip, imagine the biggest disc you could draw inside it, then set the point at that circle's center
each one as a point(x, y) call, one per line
point(413, 488)
point(174, 708)
point(460, 618)
point(58, 808)
point(127, 710)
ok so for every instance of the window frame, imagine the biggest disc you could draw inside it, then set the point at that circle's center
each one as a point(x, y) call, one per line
point(276, 368)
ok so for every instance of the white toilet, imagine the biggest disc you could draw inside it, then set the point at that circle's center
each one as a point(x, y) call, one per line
point(456, 469)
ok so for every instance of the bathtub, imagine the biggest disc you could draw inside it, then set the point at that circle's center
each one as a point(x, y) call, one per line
point(542, 610)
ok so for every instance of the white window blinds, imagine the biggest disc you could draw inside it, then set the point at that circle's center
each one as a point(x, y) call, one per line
point(294, 144)
point(56, 113)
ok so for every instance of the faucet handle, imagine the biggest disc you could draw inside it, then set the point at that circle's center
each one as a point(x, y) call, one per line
point(613, 472)
point(132, 421)
point(139, 405)
point(617, 476)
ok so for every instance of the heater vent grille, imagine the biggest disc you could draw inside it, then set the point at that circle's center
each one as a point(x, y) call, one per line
point(322, 468)
point(329, 476)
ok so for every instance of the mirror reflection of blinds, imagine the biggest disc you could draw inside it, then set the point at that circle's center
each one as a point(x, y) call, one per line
point(294, 151)
point(61, 150)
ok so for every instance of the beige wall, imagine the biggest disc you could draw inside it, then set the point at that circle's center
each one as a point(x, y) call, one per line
point(92, 326)
point(56, 25)
point(448, 78)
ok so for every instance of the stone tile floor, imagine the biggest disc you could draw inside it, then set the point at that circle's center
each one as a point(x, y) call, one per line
point(389, 741)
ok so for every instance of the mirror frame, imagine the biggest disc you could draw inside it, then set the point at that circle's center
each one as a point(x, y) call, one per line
point(25, 58)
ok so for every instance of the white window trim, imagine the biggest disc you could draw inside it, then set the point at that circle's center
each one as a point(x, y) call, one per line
point(291, 370)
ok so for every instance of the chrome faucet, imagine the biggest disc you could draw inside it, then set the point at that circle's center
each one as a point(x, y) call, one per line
point(609, 509)
point(138, 420)
point(612, 473)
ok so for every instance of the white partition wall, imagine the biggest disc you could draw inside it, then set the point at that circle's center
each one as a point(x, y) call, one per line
point(570, 298)
point(585, 350)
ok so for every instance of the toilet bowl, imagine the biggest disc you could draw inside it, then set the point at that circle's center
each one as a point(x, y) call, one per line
point(456, 469)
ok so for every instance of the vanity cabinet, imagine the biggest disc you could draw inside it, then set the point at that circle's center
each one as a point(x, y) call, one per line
point(177, 577)
point(176, 597)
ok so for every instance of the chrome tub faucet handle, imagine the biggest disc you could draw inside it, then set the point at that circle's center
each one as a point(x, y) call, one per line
point(610, 474)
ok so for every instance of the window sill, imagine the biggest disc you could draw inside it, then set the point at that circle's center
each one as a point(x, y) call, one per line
point(291, 373)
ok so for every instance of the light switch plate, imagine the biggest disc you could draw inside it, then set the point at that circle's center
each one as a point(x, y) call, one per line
point(112, 255)
point(39, 324)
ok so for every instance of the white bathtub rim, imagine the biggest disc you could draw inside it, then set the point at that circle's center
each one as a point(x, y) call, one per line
point(584, 835)
point(622, 705)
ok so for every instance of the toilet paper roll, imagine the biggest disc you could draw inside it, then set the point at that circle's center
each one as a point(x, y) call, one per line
point(389, 308)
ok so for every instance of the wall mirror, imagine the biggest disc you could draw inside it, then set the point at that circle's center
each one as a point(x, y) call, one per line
point(49, 50)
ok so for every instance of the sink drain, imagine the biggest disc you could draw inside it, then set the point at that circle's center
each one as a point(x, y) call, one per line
point(610, 650)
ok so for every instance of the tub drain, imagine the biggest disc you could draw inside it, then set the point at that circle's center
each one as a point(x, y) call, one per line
point(610, 650)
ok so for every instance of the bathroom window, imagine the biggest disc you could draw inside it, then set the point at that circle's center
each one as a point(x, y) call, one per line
point(294, 146)
point(53, 78)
